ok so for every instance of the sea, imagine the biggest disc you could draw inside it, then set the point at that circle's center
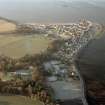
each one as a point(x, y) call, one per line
point(53, 11)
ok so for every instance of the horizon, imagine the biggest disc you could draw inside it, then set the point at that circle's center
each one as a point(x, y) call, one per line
point(52, 11)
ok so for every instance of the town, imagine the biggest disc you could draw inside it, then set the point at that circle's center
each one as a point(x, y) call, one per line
point(63, 30)
point(40, 76)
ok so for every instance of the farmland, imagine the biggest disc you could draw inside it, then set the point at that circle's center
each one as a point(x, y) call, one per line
point(19, 46)
point(17, 100)
point(6, 26)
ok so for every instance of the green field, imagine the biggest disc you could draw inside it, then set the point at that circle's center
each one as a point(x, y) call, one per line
point(18, 46)
point(17, 100)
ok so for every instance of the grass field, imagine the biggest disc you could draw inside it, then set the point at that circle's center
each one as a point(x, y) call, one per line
point(18, 46)
point(17, 100)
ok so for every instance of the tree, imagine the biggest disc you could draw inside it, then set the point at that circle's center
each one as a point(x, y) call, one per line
point(36, 74)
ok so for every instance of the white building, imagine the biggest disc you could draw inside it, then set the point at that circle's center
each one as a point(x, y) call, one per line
point(23, 74)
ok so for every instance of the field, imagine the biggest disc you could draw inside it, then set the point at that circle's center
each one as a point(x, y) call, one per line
point(17, 100)
point(17, 46)
point(6, 26)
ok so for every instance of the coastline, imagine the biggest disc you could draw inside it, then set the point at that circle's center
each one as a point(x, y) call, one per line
point(8, 20)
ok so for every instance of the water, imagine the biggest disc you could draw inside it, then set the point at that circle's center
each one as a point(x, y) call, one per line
point(53, 11)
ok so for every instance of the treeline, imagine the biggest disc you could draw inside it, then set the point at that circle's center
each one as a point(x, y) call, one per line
point(35, 60)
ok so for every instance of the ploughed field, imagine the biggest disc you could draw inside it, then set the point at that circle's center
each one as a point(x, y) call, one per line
point(18, 46)
point(17, 100)
point(6, 26)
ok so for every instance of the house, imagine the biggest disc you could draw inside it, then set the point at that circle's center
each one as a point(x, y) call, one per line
point(22, 74)
point(56, 68)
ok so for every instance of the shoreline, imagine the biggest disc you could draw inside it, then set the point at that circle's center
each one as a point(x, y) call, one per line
point(38, 23)
point(51, 23)
point(8, 20)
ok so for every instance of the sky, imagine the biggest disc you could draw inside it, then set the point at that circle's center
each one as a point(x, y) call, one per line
point(52, 0)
